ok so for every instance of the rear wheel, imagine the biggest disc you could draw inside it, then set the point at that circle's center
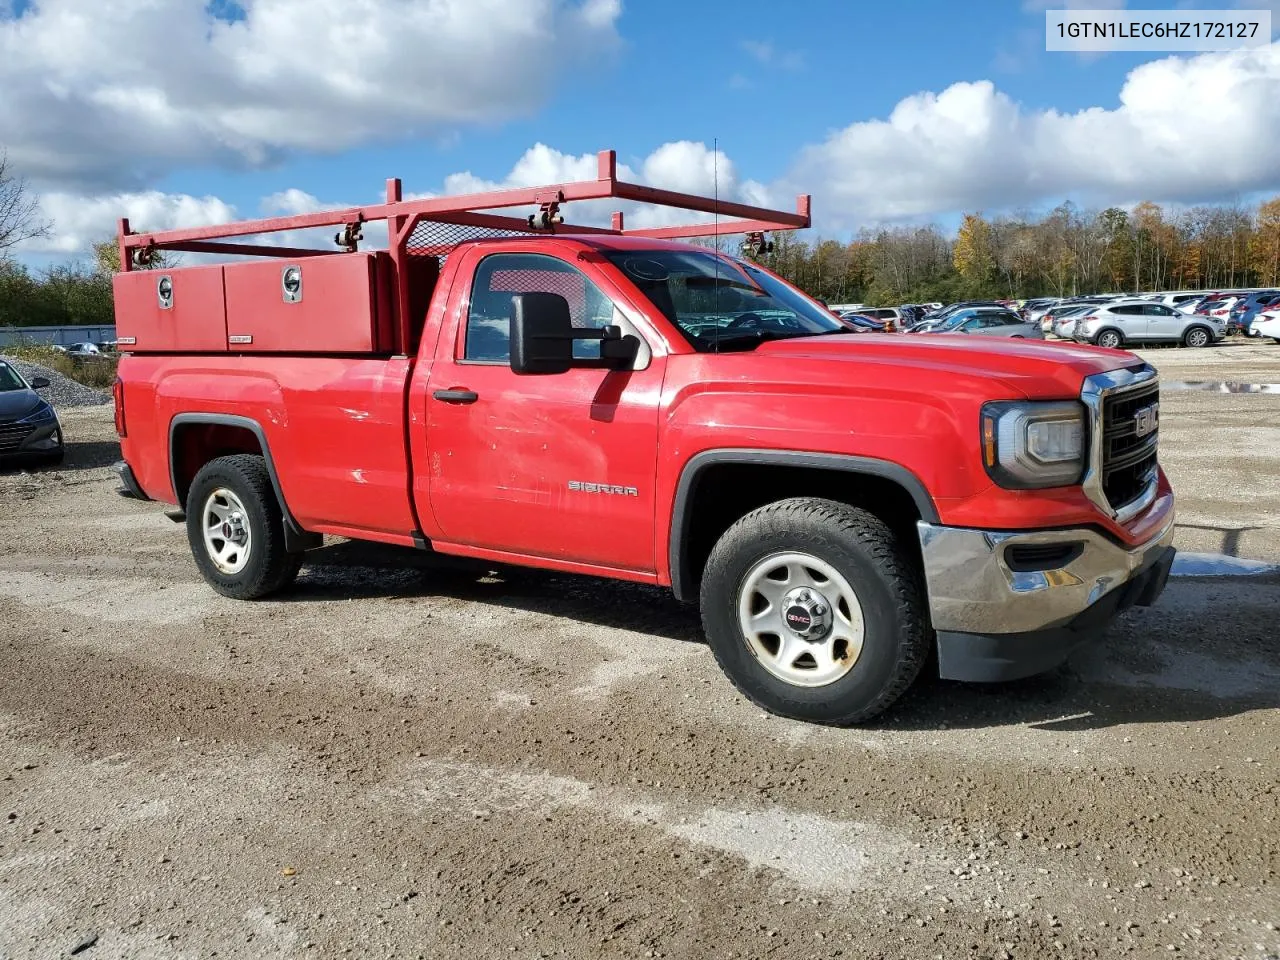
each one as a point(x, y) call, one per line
point(1197, 337)
point(815, 611)
point(1110, 339)
point(236, 529)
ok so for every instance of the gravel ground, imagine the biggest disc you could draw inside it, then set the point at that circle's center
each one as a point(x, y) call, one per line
point(404, 757)
point(63, 391)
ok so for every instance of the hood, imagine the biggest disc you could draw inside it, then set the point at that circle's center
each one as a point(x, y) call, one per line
point(16, 404)
point(1034, 368)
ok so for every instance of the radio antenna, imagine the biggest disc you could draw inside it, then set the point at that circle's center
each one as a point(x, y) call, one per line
point(715, 186)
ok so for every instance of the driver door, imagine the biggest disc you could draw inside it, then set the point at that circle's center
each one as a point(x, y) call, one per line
point(558, 466)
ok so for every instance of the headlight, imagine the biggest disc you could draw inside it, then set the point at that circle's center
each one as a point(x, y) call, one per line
point(1033, 444)
point(43, 414)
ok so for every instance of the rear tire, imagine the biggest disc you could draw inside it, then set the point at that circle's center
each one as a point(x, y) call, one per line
point(860, 582)
point(1197, 337)
point(236, 529)
point(1110, 339)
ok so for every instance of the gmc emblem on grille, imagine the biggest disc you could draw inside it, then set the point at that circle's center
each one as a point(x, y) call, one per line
point(1146, 420)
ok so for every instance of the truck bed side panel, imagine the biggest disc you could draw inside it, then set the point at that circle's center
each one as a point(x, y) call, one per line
point(335, 427)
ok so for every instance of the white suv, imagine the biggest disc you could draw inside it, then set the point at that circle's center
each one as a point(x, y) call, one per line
point(1126, 322)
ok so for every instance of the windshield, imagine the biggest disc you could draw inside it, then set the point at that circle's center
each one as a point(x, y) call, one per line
point(721, 303)
point(9, 379)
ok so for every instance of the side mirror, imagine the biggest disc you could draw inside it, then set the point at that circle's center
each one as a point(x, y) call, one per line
point(39, 383)
point(542, 337)
point(541, 333)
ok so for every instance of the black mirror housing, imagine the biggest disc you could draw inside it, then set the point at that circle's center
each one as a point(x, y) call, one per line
point(541, 334)
point(39, 383)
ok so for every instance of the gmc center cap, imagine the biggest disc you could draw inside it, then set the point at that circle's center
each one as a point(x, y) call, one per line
point(798, 619)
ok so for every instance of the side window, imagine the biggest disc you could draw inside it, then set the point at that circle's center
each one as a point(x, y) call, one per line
point(501, 276)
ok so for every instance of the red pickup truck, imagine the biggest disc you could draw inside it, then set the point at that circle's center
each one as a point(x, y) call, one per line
point(610, 401)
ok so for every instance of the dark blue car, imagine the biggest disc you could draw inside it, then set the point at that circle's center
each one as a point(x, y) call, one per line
point(29, 427)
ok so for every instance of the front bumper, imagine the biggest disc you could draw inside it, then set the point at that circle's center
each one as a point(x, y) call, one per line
point(1007, 605)
point(31, 442)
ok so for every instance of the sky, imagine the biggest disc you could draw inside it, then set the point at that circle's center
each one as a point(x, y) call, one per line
point(175, 113)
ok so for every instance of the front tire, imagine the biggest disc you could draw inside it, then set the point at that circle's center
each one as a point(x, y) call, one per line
point(1110, 339)
point(1197, 337)
point(236, 529)
point(815, 611)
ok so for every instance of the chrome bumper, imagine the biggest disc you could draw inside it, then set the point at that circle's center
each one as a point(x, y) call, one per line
point(973, 589)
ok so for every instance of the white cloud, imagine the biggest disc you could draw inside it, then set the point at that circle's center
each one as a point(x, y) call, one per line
point(292, 202)
point(684, 165)
point(81, 220)
point(972, 147)
point(767, 54)
point(109, 96)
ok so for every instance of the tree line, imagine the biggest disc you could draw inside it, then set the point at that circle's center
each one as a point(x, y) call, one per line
point(1066, 252)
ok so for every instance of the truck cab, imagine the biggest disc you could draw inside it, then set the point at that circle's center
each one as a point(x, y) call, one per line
point(623, 404)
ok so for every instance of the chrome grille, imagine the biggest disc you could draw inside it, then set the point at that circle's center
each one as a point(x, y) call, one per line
point(1128, 459)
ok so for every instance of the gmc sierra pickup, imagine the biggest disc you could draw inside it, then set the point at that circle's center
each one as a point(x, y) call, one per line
point(616, 403)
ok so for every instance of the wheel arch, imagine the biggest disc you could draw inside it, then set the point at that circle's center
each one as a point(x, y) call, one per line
point(683, 556)
point(236, 431)
point(1119, 334)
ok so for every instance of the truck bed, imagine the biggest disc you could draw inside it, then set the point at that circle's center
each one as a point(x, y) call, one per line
point(335, 428)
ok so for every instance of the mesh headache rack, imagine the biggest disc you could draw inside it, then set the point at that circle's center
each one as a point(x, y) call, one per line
point(426, 230)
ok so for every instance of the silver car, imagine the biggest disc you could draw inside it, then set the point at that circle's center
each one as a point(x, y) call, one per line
point(1142, 321)
point(998, 323)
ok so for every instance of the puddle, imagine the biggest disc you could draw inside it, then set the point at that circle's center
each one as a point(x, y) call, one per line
point(1219, 565)
point(1220, 386)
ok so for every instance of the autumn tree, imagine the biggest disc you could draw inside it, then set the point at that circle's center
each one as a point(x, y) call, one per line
point(1264, 245)
point(972, 254)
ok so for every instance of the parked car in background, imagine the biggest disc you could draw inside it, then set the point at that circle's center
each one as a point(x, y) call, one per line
point(912, 313)
point(953, 319)
point(950, 310)
point(993, 323)
point(889, 316)
point(29, 427)
point(1267, 323)
point(1246, 308)
point(1064, 324)
point(1035, 309)
point(85, 349)
point(1177, 298)
point(1217, 307)
point(1141, 321)
point(990, 322)
point(1192, 305)
point(1051, 316)
point(862, 324)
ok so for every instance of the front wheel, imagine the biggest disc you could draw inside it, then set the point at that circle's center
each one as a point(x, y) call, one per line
point(815, 611)
point(1109, 339)
point(236, 529)
point(1196, 337)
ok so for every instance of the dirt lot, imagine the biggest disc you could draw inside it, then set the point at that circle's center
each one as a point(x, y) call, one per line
point(403, 758)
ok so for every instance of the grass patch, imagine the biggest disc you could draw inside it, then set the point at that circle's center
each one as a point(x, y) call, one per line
point(97, 372)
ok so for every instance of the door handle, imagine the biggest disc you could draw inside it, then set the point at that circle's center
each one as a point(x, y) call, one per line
point(458, 395)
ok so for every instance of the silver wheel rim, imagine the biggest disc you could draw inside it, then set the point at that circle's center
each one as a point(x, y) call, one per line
point(1109, 340)
point(1197, 338)
point(227, 536)
point(801, 619)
